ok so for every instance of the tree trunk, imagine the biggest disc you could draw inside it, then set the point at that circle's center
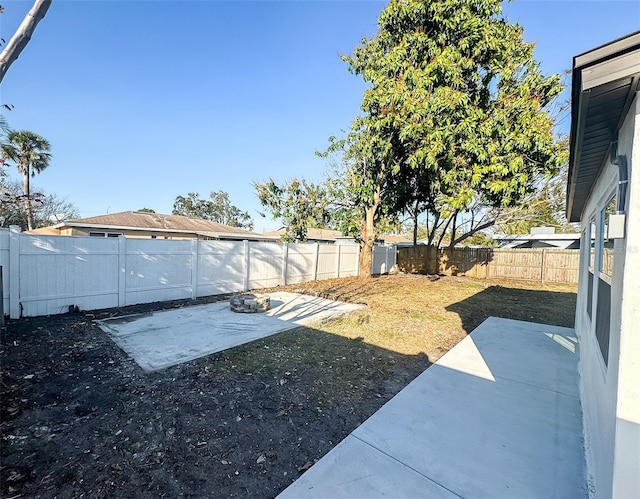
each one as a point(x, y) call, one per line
point(23, 34)
point(366, 258)
point(368, 239)
point(452, 242)
point(27, 201)
point(415, 228)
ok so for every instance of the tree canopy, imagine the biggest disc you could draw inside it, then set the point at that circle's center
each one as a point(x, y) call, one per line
point(30, 154)
point(298, 204)
point(217, 208)
point(457, 112)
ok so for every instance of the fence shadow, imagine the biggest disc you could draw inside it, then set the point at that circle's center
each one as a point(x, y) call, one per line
point(547, 307)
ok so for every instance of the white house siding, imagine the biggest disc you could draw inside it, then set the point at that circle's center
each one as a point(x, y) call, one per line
point(626, 473)
point(610, 394)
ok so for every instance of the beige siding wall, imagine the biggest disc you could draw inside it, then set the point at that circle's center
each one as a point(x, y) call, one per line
point(74, 231)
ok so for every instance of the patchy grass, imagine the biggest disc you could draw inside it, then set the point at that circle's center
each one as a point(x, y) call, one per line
point(414, 314)
point(409, 323)
point(80, 419)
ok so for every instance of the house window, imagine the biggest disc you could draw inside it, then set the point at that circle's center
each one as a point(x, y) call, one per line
point(604, 272)
point(104, 234)
point(607, 255)
point(591, 268)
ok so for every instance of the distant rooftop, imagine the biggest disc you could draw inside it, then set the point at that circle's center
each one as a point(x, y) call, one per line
point(138, 220)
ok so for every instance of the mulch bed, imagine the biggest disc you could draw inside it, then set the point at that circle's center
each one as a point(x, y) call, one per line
point(81, 419)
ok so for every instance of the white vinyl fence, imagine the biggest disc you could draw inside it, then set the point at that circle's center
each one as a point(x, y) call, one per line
point(45, 275)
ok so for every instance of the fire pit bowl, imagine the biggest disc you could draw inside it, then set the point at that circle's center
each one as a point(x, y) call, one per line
point(249, 303)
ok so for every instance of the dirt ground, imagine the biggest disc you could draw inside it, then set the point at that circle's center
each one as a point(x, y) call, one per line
point(81, 419)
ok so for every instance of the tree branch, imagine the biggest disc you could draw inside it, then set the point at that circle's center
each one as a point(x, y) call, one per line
point(480, 227)
point(22, 35)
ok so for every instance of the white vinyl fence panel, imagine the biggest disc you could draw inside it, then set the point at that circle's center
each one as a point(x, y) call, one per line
point(57, 271)
point(221, 267)
point(45, 275)
point(157, 270)
point(300, 262)
point(384, 259)
point(348, 260)
point(265, 265)
point(4, 263)
point(326, 268)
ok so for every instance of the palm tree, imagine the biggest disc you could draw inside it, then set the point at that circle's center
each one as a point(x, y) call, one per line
point(30, 153)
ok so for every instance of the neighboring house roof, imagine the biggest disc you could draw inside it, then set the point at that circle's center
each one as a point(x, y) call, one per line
point(394, 238)
point(332, 235)
point(312, 234)
point(604, 83)
point(156, 222)
point(513, 241)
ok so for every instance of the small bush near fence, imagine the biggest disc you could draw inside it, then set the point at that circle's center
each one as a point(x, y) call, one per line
point(543, 265)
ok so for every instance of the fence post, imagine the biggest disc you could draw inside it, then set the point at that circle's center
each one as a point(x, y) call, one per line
point(14, 272)
point(542, 268)
point(337, 260)
point(194, 268)
point(386, 261)
point(285, 262)
point(477, 260)
point(1, 298)
point(245, 278)
point(122, 270)
point(488, 257)
point(315, 261)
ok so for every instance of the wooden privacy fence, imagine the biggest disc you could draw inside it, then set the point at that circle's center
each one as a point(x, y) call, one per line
point(536, 264)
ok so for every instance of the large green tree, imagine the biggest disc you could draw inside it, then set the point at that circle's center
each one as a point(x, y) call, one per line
point(298, 204)
point(456, 112)
point(217, 208)
point(30, 154)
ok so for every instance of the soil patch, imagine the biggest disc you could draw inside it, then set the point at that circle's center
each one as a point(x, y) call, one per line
point(81, 419)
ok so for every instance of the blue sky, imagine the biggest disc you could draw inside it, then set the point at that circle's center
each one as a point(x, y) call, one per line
point(146, 100)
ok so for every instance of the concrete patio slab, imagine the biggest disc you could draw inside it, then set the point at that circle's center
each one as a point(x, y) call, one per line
point(356, 470)
point(497, 416)
point(161, 339)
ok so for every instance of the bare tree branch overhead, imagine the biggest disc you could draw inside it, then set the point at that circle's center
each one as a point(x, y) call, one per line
point(22, 35)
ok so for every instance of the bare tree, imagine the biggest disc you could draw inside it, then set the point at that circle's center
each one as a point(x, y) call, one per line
point(22, 35)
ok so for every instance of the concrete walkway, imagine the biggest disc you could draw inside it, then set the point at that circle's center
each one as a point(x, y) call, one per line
point(498, 416)
point(169, 337)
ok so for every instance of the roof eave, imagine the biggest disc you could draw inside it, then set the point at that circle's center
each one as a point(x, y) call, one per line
point(580, 106)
